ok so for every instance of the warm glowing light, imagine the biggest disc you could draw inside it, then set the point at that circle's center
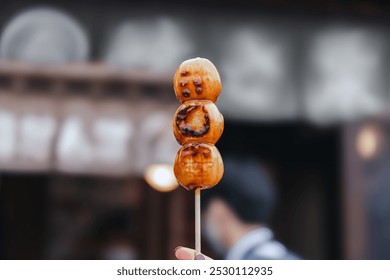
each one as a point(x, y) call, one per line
point(368, 141)
point(160, 177)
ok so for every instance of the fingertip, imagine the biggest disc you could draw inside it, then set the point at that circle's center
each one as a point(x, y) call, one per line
point(177, 252)
point(177, 248)
point(183, 253)
point(200, 257)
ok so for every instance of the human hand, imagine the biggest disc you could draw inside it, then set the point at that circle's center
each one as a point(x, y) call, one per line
point(184, 253)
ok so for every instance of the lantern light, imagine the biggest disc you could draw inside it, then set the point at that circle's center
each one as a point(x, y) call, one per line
point(368, 141)
point(160, 177)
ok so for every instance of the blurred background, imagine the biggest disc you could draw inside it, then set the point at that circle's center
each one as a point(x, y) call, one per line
point(86, 103)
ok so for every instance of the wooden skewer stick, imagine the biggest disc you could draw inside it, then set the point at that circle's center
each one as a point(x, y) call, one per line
point(197, 222)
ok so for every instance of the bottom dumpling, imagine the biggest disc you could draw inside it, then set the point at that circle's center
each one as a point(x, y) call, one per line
point(198, 165)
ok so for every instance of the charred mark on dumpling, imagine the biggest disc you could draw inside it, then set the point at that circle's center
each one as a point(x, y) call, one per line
point(185, 128)
point(206, 153)
point(197, 82)
point(186, 92)
point(198, 85)
point(195, 149)
point(190, 150)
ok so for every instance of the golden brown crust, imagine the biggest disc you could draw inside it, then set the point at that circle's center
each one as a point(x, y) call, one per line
point(197, 78)
point(198, 165)
point(198, 121)
point(198, 124)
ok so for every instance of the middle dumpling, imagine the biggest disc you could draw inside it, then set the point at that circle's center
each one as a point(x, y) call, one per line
point(197, 121)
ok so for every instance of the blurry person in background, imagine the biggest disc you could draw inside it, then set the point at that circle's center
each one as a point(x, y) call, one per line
point(235, 215)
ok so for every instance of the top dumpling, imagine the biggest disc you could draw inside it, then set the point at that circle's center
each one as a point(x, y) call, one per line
point(197, 78)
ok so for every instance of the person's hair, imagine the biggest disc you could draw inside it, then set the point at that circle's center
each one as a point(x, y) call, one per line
point(245, 188)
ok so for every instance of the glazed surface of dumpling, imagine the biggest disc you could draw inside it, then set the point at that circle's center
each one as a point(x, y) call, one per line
point(198, 121)
point(197, 78)
point(198, 165)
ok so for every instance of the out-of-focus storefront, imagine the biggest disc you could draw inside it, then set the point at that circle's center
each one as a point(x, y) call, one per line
point(82, 118)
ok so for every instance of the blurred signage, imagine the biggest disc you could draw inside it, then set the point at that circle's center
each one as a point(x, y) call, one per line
point(138, 44)
point(27, 130)
point(256, 73)
point(344, 77)
point(84, 136)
